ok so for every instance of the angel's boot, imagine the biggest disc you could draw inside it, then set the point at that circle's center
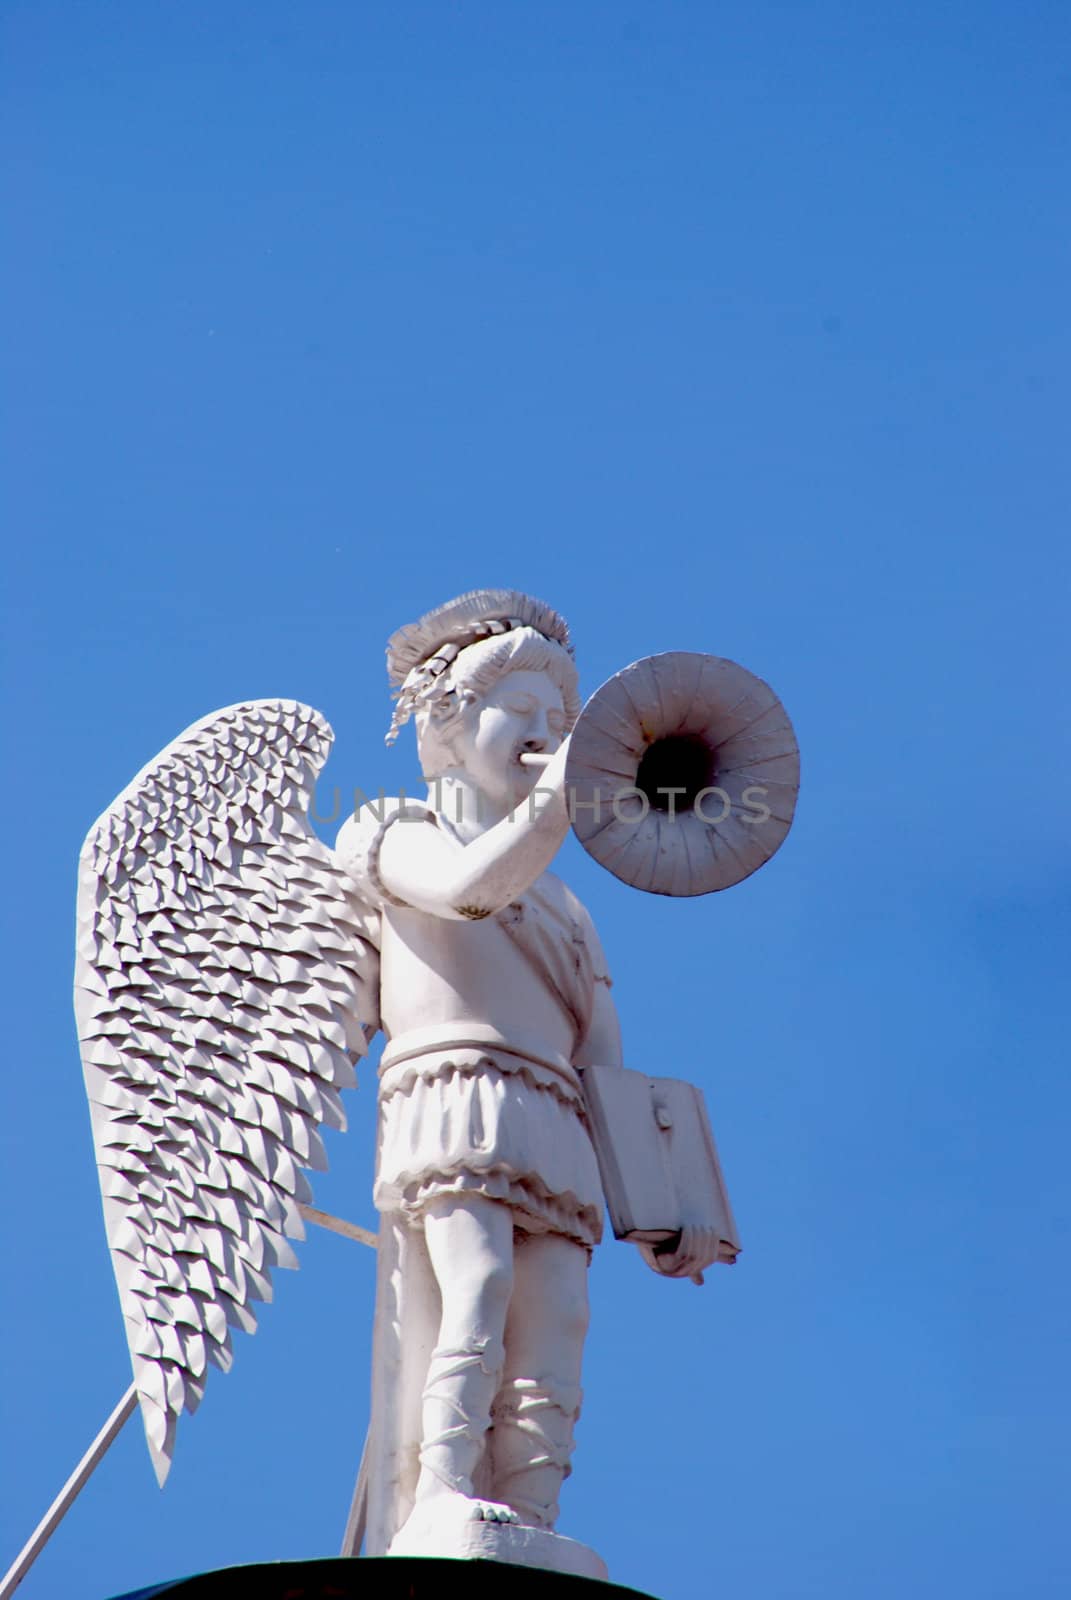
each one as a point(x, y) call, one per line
point(455, 1416)
point(531, 1445)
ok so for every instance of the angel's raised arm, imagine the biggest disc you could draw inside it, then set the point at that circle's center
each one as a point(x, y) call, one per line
point(423, 866)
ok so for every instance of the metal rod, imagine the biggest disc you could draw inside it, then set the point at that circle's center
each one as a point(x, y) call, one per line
point(348, 1230)
point(68, 1494)
point(125, 1409)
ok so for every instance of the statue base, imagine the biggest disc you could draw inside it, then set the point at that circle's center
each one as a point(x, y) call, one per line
point(386, 1578)
point(440, 1532)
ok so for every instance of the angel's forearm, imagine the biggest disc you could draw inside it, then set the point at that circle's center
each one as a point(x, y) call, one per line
point(502, 863)
point(475, 880)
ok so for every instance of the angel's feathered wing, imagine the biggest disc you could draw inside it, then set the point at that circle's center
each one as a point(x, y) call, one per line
point(226, 979)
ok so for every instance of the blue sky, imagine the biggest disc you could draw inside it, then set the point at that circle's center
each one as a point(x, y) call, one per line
point(729, 328)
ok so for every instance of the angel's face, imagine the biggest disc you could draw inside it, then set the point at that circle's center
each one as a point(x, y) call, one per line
point(521, 713)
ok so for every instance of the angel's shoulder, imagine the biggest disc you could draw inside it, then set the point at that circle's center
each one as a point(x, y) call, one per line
point(567, 898)
point(360, 838)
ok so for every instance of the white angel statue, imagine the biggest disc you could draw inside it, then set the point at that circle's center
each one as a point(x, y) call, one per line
point(231, 969)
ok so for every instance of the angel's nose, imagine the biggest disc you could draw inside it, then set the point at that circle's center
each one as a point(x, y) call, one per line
point(538, 731)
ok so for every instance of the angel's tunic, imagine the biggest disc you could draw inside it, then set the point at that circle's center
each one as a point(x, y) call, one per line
point(478, 1091)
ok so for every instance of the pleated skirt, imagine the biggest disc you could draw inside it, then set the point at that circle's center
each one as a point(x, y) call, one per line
point(465, 1121)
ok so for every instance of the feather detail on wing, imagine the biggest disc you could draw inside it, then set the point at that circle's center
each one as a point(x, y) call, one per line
point(226, 980)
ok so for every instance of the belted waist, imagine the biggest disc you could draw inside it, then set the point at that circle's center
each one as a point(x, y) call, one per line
point(446, 1036)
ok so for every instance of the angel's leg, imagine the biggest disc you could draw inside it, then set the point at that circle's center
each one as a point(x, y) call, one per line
point(470, 1243)
point(539, 1400)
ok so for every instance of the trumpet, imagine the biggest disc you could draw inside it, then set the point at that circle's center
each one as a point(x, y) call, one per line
point(682, 774)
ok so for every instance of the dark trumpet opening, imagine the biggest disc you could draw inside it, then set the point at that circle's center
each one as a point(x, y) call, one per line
point(680, 761)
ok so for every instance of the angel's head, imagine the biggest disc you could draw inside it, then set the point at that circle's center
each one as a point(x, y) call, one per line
point(485, 677)
point(500, 698)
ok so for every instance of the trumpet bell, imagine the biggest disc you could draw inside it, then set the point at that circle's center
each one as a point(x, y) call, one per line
point(682, 774)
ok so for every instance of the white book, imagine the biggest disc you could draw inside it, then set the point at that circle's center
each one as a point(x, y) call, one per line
point(657, 1157)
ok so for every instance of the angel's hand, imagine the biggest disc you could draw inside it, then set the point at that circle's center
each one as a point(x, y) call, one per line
point(553, 774)
point(550, 776)
point(686, 1256)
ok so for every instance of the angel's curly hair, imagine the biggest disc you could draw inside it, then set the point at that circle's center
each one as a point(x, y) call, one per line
point(470, 676)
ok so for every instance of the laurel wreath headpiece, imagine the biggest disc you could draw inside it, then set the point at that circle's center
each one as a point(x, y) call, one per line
point(419, 653)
